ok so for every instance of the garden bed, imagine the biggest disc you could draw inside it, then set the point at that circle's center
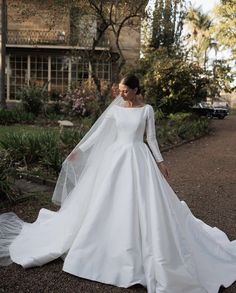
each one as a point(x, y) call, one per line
point(41, 150)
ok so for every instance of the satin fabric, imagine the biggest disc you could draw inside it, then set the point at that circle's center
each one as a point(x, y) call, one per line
point(123, 224)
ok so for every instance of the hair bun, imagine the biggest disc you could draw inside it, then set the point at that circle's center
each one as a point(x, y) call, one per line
point(131, 81)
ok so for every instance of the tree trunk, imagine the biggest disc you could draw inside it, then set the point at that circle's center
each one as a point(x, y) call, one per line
point(3, 36)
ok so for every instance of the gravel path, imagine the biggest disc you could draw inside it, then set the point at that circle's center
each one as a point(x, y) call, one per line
point(203, 173)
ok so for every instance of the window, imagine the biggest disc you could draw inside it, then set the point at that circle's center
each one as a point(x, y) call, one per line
point(59, 74)
point(59, 71)
point(79, 71)
point(18, 74)
point(103, 70)
point(39, 70)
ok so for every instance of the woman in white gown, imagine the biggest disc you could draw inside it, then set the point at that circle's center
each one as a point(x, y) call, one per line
point(120, 222)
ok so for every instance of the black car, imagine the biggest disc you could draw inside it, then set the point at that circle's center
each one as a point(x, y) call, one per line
point(209, 111)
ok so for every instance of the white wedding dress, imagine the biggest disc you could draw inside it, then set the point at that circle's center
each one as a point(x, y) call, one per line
point(131, 228)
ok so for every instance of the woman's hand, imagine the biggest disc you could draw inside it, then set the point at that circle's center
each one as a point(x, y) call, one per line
point(164, 170)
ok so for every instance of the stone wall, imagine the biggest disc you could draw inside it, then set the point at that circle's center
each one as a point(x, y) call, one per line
point(32, 15)
point(45, 18)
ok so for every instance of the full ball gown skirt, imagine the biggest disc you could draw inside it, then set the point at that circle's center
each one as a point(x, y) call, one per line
point(132, 228)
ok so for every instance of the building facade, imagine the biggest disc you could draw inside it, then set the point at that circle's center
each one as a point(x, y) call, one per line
point(50, 47)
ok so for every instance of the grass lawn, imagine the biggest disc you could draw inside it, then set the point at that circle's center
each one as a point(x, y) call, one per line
point(23, 128)
point(35, 169)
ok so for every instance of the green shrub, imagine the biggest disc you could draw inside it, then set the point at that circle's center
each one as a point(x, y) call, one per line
point(22, 147)
point(6, 178)
point(170, 82)
point(51, 155)
point(46, 148)
point(179, 117)
point(71, 137)
point(159, 115)
point(55, 105)
point(194, 128)
point(33, 98)
point(8, 117)
point(53, 116)
point(181, 126)
point(82, 101)
point(24, 117)
point(27, 147)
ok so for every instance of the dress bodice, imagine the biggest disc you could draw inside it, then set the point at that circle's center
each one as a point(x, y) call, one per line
point(131, 125)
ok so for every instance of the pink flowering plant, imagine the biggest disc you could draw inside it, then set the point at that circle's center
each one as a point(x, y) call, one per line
point(80, 102)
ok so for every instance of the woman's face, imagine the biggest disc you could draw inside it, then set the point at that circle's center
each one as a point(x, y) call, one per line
point(127, 93)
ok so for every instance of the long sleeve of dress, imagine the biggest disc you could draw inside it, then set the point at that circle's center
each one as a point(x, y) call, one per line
point(151, 136)
point(92, 139)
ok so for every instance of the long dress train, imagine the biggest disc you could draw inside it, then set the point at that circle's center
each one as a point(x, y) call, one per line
point(124, 225)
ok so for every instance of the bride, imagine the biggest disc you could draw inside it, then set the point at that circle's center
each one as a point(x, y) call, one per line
point(120, 222)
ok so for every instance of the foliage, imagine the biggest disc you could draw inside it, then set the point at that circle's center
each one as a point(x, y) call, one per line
point(83, 101)
point(170, 83)
point(29, 148)
point(179, 117)
point(70, 138)
point(79, 103)
point(16, 115)
point(52, 116)
point(217, 33)
point(22, 147)
point(200, 39)
point(159, 115)
point(225, 25)
point(188, 125)
point(44, 151)
point(50, 154)
point(167, 23)
point(194, 128)
point(181, 126)
point(6, 178)
point(45, 148)
point(19, 128)
point(33, 98)
point(55, 105)
point(221, 78)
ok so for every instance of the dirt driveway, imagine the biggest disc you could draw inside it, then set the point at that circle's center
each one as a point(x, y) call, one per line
point(203, 173)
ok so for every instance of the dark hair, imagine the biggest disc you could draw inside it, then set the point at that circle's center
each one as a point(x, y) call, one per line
point(132, 82)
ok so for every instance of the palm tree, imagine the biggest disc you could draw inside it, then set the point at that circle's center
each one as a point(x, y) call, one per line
point(199, 25)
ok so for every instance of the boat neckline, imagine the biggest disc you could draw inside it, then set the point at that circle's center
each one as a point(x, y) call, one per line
point(132, 107)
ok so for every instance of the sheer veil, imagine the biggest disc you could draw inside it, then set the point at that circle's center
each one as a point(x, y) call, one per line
point(73, 170)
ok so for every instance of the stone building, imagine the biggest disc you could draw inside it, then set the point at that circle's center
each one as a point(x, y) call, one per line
point(50, 47)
